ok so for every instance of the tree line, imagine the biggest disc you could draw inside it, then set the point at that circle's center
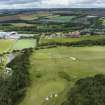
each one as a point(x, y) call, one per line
point(87, 91)
point(12, 89)
point(77, 44)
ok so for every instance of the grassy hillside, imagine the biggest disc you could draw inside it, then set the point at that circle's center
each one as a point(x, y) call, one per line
point(9, 45)
point(54, 70)
point(5, 45)
point(58, 19)
point(24, 43)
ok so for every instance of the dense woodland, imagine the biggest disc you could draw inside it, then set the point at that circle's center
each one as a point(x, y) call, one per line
point(13, 88)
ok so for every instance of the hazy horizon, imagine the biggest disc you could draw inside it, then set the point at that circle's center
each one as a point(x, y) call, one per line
point(22, 4)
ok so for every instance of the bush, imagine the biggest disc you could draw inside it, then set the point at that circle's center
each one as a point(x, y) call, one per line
point(87, 91)
point(38, 75)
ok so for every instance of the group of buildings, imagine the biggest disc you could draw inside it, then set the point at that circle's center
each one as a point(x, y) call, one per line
point(75, 34)
point(9, 35)
point(15, 35)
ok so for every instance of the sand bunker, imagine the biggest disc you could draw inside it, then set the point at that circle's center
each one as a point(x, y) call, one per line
point(73, 58)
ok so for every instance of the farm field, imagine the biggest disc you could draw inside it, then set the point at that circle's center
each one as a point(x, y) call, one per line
point(24, 43)
point(57, 18)
point(21, 24)
point(32, 16)
point(54, 70)
point(9, 45)
point(28, 16)
point(6, 45)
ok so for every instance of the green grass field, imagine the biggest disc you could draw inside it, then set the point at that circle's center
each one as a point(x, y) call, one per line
point(9, 45)
point(53, 71)
point(21, 24)
point(6, 45)
point(24, 43)
point(59, 19)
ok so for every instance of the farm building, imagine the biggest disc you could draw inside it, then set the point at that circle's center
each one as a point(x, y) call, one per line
point(9, 35)
point(73, 34)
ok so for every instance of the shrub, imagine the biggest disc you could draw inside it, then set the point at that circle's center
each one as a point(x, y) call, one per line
point(87, 91)
point(65, 76)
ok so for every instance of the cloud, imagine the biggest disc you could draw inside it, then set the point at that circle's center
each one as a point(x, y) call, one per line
point(13, 4)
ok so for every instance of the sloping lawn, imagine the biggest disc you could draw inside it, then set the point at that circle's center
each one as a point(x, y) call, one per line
point(61, 18)
point(54, 70)
point(24, 43)
point(6, 45)
point(57, 18)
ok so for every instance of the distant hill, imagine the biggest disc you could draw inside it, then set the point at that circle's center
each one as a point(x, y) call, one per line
point(92, 11)
point(9, 18)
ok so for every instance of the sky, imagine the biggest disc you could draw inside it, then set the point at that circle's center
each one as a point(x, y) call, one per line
point(19, 4)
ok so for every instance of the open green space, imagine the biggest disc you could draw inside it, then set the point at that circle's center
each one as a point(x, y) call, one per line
point(24, 43)
point(59, 19)
point(6, 45)
point(55, 70)
point(28, 16)
point(21, 24)
point(62, 18)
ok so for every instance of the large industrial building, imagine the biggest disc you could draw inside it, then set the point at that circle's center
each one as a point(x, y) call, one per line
point(9, 35)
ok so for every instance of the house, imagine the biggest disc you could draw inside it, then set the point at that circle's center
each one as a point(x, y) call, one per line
point(9, 35)
point(3, 35)
point(13, 35)
point(75, 34)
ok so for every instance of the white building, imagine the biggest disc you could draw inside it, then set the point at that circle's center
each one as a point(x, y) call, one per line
point(9, 35)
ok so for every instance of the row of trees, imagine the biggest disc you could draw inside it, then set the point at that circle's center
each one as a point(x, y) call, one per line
point(78, 43)
point(13, 88)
